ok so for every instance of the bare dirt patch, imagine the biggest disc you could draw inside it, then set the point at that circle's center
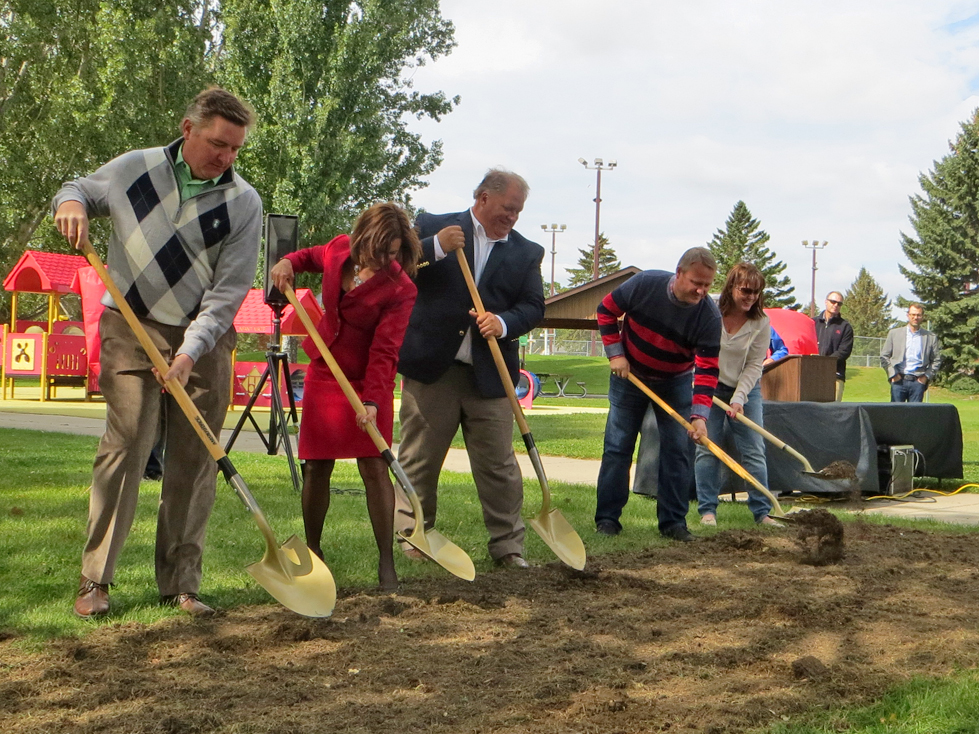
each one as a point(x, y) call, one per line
point(723, 635)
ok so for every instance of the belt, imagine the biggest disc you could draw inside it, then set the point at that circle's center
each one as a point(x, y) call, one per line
point(912, 377)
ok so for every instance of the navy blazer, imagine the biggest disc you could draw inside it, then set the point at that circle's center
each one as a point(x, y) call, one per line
point(510, 285)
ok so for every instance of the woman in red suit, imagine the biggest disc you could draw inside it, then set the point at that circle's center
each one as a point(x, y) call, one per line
point(367, 298)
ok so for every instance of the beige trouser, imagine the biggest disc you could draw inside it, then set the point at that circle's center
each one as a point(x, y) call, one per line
point(839, 390)
point(134, 405)
point(430, 416)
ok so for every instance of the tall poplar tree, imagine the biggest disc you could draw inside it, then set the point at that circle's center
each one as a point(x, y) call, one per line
point(608, 263)
point(944, 250)
point(80, 83)
point(741, 240)
point(866, 306)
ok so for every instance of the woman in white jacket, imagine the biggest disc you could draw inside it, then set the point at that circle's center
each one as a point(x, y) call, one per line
point(745, 335)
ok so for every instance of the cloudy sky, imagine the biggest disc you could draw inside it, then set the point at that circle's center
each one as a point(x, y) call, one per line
point(818, 115)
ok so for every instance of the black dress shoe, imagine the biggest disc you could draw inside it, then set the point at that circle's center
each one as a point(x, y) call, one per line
point(512, 560)
point(680, 533)
point(607, 527)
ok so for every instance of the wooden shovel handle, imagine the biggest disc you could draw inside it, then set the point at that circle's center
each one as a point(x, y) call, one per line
point(713, 447)
point(348, 389)
point(768, 435)
point(173, 386)
point(501, 367)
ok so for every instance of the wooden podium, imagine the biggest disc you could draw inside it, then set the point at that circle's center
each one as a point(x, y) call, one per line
point(800, 377)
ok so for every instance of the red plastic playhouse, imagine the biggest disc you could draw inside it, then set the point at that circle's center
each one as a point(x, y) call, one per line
point(57, 351)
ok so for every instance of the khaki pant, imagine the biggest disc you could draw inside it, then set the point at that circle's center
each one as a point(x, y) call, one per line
point(135, 404)
point(430, 417)
point(840, 384)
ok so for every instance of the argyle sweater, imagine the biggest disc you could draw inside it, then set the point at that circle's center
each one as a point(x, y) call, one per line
point(661, 336)
point(187, 263)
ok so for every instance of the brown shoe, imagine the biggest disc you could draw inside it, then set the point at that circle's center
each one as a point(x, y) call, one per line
point(413, 553)
point(189, 603)
point(92, 599)
point(512, 560)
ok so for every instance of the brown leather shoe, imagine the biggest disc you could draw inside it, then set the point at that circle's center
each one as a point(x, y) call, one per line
point(512, 560)
point(413, 553)
point(189, 603)
point(92, 599)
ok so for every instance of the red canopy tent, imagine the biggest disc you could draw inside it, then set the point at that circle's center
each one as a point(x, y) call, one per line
point(797, 330)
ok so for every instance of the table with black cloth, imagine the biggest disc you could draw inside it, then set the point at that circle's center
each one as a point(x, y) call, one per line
point(828, 432)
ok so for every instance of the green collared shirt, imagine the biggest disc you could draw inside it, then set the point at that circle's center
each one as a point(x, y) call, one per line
point(186, 183)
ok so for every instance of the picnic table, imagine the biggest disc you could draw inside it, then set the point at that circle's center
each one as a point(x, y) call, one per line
point(561, 383)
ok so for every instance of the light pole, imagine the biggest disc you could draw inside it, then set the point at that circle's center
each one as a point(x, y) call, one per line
point(814, 245)
point(598, 167)
point(554, 230)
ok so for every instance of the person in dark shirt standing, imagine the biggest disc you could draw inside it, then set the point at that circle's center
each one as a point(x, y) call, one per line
point(670, 339)
point(834, 336)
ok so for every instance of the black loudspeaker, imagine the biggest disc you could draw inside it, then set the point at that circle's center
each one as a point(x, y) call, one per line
point(281, 238)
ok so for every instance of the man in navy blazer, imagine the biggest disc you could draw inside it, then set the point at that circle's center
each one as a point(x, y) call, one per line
point(450, 377)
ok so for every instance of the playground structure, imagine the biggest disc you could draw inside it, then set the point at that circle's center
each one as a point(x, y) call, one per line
point(58, 351)
point(62, 352)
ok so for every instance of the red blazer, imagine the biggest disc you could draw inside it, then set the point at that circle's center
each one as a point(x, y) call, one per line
point(363, 328)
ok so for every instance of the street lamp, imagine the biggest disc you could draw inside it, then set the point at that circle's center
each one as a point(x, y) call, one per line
point(598, 167)
point(814, 245)
point(554, 230)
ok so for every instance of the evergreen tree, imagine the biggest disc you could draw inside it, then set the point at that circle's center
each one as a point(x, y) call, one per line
point(608, 263)
point(866, 306)
point(742, 241)
point(945, 249)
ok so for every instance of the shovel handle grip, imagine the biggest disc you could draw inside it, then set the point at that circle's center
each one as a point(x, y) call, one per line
point(710, 445)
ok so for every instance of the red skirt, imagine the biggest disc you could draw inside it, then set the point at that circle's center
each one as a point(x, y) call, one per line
point(329, 428)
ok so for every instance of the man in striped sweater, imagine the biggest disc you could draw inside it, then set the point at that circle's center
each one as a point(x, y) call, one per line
point(669, 338)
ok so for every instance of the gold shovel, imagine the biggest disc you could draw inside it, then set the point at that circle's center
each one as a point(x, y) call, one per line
point(295, 577)
point(549, 523)
point(430, 542)
point(714, 448)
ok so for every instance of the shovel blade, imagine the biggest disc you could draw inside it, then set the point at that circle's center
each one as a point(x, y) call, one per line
point(560, 537)
point(444, 552)
point(296, 578)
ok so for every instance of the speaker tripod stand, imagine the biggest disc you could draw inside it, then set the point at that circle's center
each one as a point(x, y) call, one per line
point(276, 362)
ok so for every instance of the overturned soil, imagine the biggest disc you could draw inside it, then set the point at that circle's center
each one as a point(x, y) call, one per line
point(727, 634)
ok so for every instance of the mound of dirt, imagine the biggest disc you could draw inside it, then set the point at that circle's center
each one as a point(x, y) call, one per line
point(723, 635)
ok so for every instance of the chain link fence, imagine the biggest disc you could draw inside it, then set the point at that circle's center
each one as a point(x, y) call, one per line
point(866, 351)
point(577, 343)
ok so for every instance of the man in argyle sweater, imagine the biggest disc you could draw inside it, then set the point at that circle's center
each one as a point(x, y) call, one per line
point(184, 246)
point(670, 339)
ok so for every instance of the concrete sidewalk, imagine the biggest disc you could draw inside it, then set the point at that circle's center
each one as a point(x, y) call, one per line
point(91, 422)
point(89, 419)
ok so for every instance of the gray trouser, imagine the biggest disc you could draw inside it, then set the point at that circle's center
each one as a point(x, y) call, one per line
point(430, 417)
point(134, 404)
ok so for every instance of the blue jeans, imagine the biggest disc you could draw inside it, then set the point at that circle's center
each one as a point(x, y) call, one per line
point(627, 406)
point(711, 471)
point(907, 390)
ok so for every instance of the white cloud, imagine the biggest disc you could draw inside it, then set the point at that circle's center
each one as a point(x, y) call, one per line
point(819, 115)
